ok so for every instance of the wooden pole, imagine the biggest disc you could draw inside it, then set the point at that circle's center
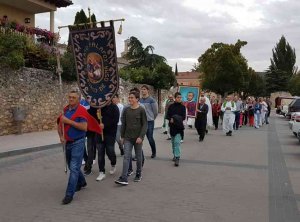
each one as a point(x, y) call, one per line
point(100, 119)
point(82, 24)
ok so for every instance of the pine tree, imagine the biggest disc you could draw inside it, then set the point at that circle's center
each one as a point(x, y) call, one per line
point(282, 67)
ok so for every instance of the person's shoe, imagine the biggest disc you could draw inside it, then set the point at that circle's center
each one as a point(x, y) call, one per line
point(130, 172)
point(227, 134)
point(181, 141)
point(166, 132)
point(169, 138)
point(138, 178)
point(67, 200)
point(112, 170)
point(200, 139)
point(174, 158)
point(190, 126)
point(133, 159)
point(153, 156)
point(87, 172)
point(101, 176)
point(78, 188)
point(121, 181)
point(176, 161)
point(94, 161)
point(206, 131)
point(122, 152)
point(85, 168)
point(83, 162)
point(230, 133)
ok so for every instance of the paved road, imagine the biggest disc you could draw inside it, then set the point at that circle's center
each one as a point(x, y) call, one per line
point(252, 176)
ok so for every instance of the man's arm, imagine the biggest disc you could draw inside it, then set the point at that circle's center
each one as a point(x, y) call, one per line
point(78, 125)
point(123, 120)
point(144, 124)
point(154, 106)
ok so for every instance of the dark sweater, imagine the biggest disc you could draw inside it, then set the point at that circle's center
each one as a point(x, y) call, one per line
point(134, 123)
point(175, 111)
point(110, 118)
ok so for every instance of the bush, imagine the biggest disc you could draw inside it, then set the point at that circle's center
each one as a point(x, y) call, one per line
point(12, 50)
point(68, 66)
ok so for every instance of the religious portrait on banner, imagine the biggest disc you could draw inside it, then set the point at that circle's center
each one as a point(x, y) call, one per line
point(190, 97)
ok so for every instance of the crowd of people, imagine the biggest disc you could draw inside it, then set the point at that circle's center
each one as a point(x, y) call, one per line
point(86, 131)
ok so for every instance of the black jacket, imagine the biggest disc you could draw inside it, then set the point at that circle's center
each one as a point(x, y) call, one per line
point(177, 111)
point(110, 118)
point(201, 117)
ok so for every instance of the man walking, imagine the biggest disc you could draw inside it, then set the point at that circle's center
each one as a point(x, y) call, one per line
point(228, 108)
point(133, 130)
point(201, 118)
point(151, 108)
point(168, 103)
point(116, 100)
point(239, 107)
point(110, 118)
point(176, 115)
point(72, 127)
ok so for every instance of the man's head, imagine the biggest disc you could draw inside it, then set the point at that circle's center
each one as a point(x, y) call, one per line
point(228, 98)
point(190, 96)
point(116, 99)
point(145, 91)
point(74, 97)
point(133, 97)
point(178, 97)
point(202, 100)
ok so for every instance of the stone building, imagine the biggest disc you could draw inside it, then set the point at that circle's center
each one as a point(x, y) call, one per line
point(23, 11)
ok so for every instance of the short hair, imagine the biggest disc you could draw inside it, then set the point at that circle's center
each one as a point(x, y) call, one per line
point(135, 89)
point(135, 93)
point(177, 94)
point(116, 95)
point(192, 93)
point(77, 91)
point(145, 86)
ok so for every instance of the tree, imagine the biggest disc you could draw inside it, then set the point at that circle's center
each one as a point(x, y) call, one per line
point(294, 85)
point(147, 67)
point(224, 68)
point(80, 17)
point(255, 85)
point(282, 67)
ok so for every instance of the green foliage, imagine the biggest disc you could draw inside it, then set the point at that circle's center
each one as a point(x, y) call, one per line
point(224, 68)
point(68, 66)
point(80, 17)
point(294, 85)
point(12, 48)
point(282, 67)
point(147, 67)
point(255, 85)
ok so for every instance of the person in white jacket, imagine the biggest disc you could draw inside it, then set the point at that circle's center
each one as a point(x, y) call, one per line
point(228, 108)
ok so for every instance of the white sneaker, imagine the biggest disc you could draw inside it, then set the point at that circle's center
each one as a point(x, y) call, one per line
point(112, 170)
point(94, 161)
point(181, 141)
point(101, 176)
point(83, 162)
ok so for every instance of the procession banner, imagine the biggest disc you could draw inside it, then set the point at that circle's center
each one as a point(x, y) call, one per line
point(190, 99)
point(96, 63)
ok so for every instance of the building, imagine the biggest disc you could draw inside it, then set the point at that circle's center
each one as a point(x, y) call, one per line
point(188, 78)
point(23, 11)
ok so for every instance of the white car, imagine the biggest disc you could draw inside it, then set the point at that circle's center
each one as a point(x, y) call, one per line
point(291, 122)
point(296, 123)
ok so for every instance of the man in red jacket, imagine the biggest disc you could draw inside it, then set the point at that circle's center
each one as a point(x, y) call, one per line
point(72, 127)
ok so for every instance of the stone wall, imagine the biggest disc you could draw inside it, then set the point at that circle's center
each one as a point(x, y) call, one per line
point(38, 93)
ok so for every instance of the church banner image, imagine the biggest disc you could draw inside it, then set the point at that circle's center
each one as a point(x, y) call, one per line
point(190, 99)
point(96, 63)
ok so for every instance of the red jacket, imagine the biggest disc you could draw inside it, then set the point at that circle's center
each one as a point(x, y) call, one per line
point(216, 109)
point(92, 124)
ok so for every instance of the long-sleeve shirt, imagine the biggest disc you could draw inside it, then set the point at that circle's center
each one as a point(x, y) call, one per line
point(151, 107)
point(176, 109)
point(134, 123)
point(110, 118)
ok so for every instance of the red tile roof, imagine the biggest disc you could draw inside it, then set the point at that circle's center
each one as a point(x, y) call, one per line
point(188, 75)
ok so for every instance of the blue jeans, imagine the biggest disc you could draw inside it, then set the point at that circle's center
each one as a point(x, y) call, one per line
point(237, 120)
point(128, 146)
point(176, 149)
point(257, 119)
point(149, 135)
point(74, 155)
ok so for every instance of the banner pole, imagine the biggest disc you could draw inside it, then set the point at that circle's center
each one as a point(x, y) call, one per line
point(100, 119)
point(90, 23)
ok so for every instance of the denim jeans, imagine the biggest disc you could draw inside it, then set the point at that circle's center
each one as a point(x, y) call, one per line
point(237, 120)
point(107, 146)
point(149, 135)
point(176, 145)
point(74, 156)
point(128, 146)
point(257, 119)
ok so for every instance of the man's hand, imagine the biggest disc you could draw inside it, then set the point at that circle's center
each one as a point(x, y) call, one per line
point(66, 120)
point(102, 126)
point(139, 140)
point(62, 139)
point(228, 108)
point(171, 120)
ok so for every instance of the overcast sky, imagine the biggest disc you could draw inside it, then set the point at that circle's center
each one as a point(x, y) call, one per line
point(182, 30)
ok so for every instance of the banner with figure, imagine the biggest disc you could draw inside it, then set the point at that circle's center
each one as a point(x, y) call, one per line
point(96, 63)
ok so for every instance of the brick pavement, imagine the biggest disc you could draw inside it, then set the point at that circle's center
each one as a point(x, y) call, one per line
point(222, 179)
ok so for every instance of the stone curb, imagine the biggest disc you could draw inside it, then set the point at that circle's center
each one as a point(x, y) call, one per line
point(34, 149)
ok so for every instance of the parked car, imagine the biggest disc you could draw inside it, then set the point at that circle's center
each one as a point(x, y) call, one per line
point(282, 104)
point(296, 123)
point(294, 106)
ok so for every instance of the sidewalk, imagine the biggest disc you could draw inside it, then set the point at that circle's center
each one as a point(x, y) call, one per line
point(12, 145)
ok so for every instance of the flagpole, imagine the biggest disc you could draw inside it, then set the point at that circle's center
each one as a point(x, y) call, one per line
point(91, 23)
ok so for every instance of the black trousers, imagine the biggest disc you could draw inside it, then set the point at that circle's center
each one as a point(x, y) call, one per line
point(216, 121)
point(201, 132)
point(107, 146)
point(91, 150)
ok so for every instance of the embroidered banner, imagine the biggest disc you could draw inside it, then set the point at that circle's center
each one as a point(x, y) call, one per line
point(96, 63)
